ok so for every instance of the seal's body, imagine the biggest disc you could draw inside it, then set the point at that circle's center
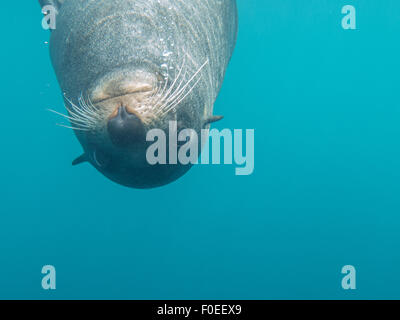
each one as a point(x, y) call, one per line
point(128, 66)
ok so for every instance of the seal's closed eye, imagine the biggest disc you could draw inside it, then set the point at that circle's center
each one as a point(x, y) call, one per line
point(125, 129)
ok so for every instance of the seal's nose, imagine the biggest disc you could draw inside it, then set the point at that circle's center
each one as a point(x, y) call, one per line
point(125, 129)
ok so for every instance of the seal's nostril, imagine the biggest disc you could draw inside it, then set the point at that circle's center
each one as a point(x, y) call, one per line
point(125, 129)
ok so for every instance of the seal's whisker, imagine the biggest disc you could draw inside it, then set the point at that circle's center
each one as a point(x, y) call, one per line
point(90, 107)
point(184, 97)
point(84, 105)
point(161, 87)
point(75, 108)
point(165, 86)
point(178, 95)
point(179, 86)
point(84, 115)
point(76, 112)
point(156, 92)
point(167, 94)
point(60, 114)
point(77, 116)
point(172, 94)
point(72, 118)
point(68, 127)
point(163, 98)
point(98, 114)
point(79, 113)
point(162, 104)
point(162, 95)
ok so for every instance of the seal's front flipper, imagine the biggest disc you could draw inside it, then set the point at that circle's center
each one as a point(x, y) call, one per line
point(213, 119)
point(80, 160)
point(55, 3)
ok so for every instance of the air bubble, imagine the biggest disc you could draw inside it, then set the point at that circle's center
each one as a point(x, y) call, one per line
point(167, 53)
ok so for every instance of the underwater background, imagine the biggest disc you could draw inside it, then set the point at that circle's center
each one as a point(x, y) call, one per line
point(325, 106)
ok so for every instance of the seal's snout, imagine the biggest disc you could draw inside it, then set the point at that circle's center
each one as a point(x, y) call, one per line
point(125, 129)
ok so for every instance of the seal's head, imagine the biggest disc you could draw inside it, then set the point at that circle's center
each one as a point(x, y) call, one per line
point(113, 120)
point(127, 67)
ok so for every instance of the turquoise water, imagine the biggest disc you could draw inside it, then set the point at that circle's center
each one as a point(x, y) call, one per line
point(324, 103)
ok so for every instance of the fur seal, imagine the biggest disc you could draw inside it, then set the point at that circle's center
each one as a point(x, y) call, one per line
point(128, 66)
